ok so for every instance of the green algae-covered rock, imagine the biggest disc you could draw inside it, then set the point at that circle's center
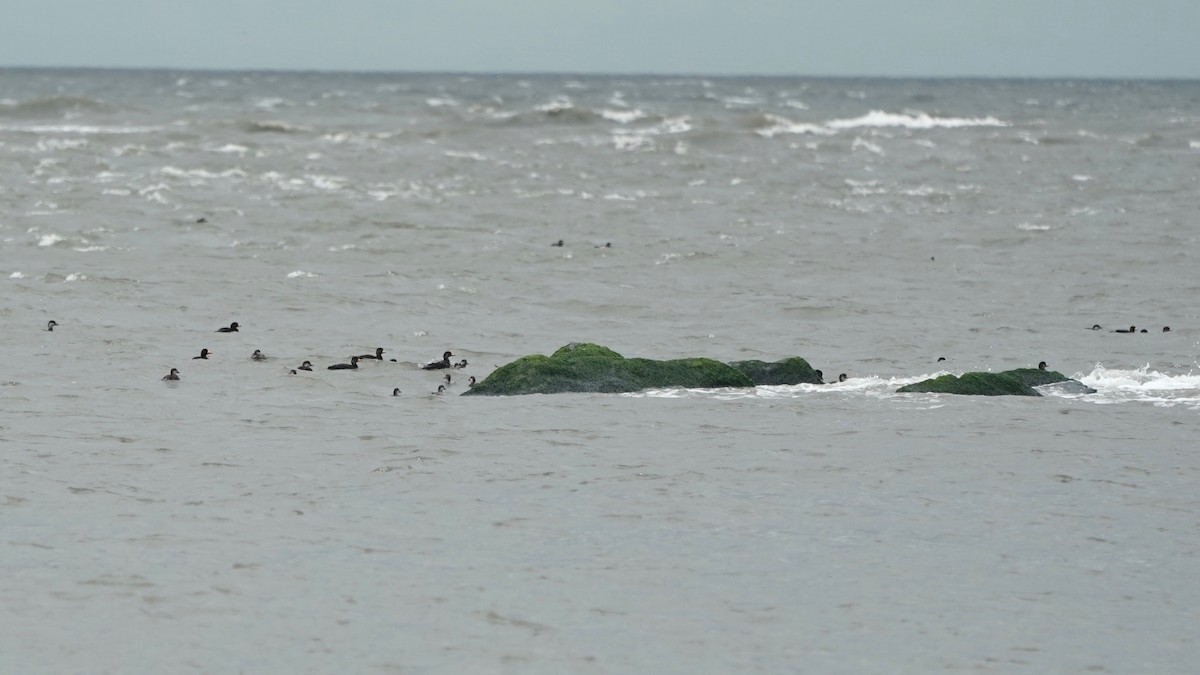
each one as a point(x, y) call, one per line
point(1018, 382)
point(1034, 377)
point(794, 370)
point(586, 367)
point(975, 384)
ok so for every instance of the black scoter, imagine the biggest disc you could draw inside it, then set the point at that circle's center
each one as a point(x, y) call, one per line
point(173, 375)
point(203, 355)
point(231, 328)
point(438, 365)
point(345, 366)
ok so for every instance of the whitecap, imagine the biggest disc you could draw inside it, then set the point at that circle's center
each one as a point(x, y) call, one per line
point(861, 143)
point(622, 116)
point(1117, 385)
point(914, 120)
point(777, 124)
point(631, 142)
point(50, 239)
point(303, 274)
point(1030, 227)
point(17, 275)
point(74, 276)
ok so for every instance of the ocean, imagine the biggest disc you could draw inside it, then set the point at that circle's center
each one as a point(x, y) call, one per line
point(245, 519)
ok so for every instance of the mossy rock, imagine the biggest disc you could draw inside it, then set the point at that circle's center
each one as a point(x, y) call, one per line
point(972, 384)
point(1018, 382)
point(793, 370)
point(586, 367)
point(1034, 377)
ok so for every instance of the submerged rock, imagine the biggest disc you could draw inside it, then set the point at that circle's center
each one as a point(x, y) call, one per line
point(586, 367)
point(1018, 382)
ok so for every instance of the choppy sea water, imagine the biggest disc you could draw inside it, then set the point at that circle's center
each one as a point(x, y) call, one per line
point(247, 520)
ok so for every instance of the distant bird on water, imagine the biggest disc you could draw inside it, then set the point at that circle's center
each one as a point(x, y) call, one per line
point(171, 376)
point(258, 355)
point(231, 328)
point(377, 355)
point(1041, 365)
point(203, 355)
point(307, 365)
point(50, 325)
point(1132, 329)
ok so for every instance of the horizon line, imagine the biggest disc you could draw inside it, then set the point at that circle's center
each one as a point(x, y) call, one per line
point(596, 73)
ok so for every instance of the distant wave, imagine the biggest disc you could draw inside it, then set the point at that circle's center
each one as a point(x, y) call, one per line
point(78, 129)
point(914, 120)
point(53, 106)
point(272, 127)
point(769, 125)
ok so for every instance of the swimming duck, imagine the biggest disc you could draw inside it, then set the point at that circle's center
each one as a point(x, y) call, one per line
point(307, 365)
point(1041, 365)
point(461, 364)
point(1122, 330)
point(173, 375)
point(203, 355)
point(231, 328)
point(396, 391)
point(471, 382)
point(438, 365)
point(377, 355)
point(353, 365)
point(50, 325)
point(258, 355)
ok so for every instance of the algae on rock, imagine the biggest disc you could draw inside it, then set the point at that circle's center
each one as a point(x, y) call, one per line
point(793, 370)
point(586, 367)
point(1018, 382)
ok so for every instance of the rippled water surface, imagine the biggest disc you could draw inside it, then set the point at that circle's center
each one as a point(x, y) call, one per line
point(244, 519)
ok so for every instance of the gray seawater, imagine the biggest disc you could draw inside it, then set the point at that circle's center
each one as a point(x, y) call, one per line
point(247, 520)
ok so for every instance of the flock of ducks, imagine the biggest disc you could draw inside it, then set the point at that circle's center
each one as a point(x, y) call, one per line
point(1132, 329)
point(441, 364)
point(446, 363)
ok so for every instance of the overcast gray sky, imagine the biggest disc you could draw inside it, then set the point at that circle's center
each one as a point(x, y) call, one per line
point(1021, 38)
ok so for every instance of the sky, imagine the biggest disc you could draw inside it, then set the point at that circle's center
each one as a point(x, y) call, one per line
point(887, 38)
